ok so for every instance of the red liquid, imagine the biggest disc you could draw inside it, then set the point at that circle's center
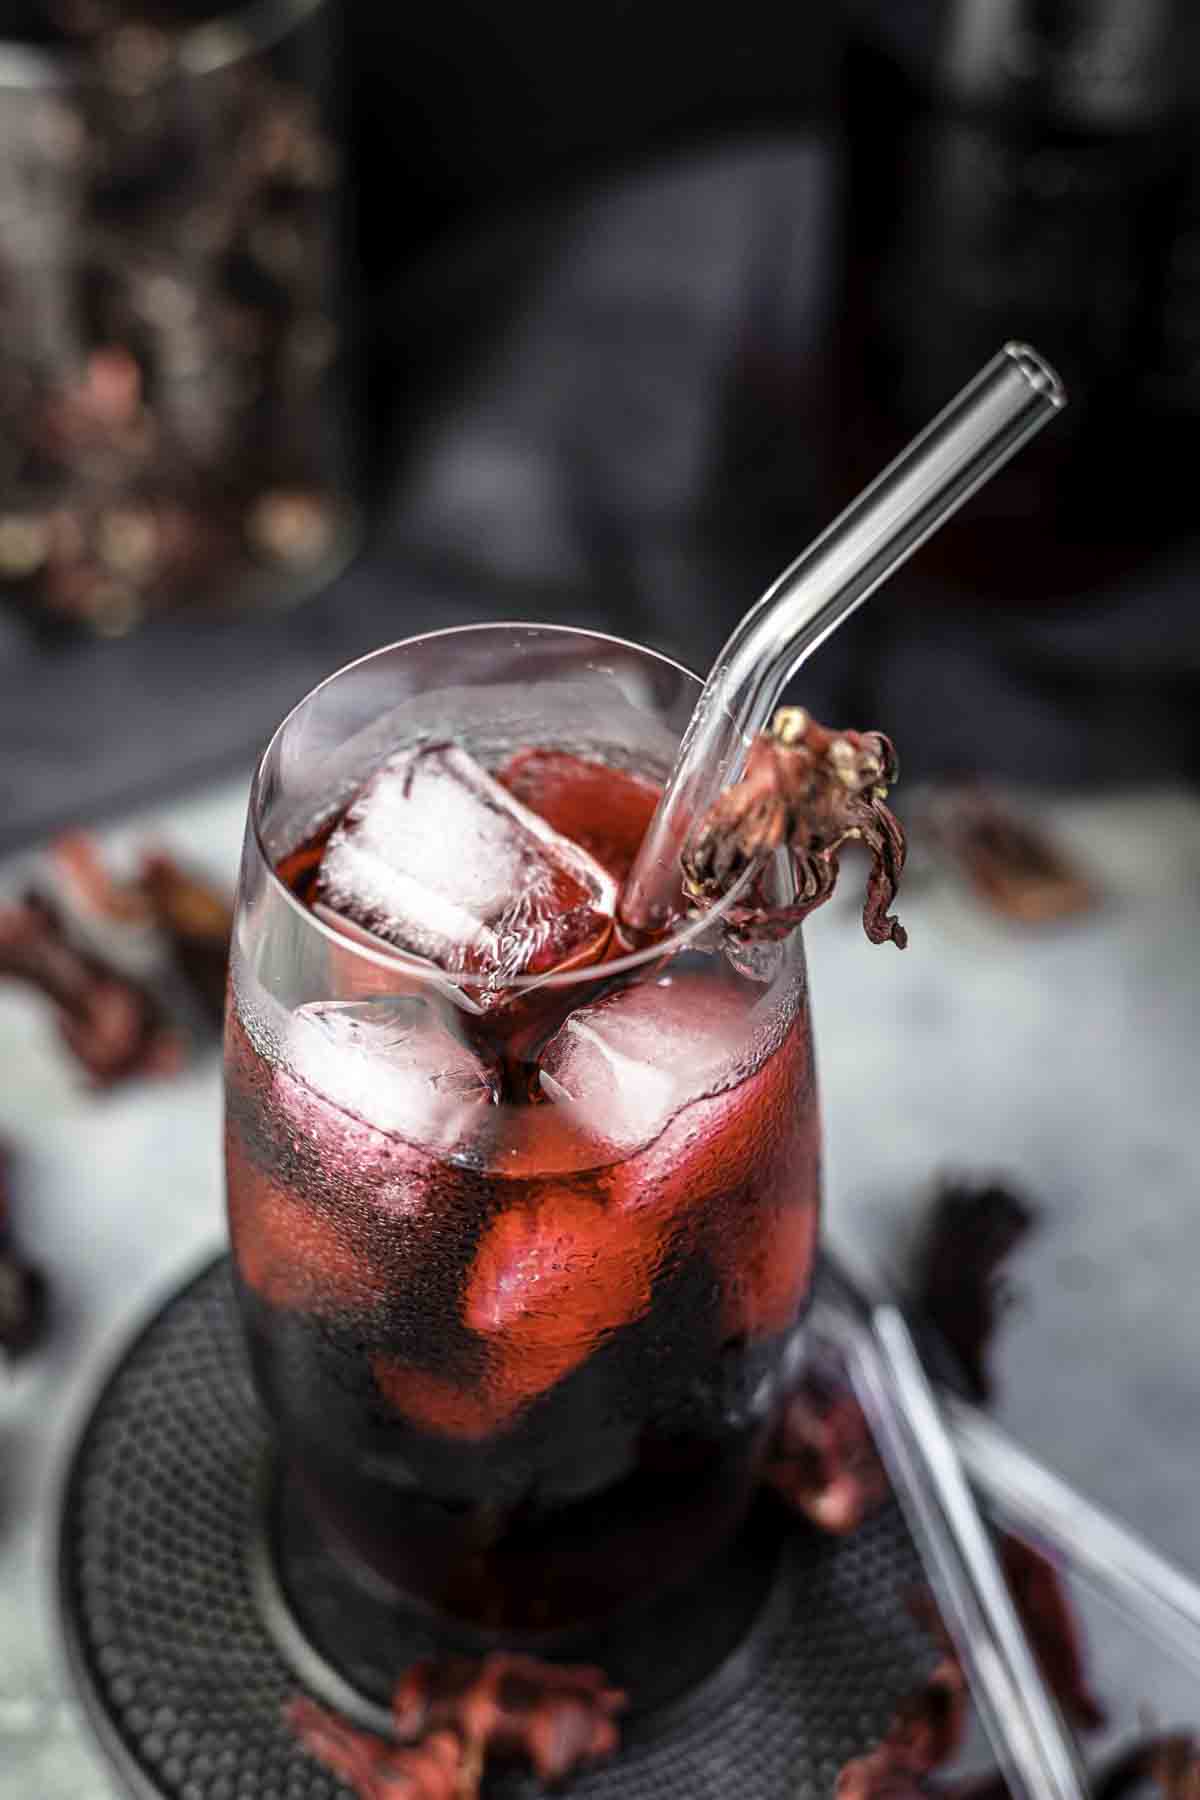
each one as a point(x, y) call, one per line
point(523, 1355)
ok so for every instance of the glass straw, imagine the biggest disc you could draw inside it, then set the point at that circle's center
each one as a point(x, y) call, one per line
point(1032, 1743)
point(1011, 398)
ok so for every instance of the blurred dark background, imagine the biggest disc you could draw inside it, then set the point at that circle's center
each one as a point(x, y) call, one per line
point(637, 300)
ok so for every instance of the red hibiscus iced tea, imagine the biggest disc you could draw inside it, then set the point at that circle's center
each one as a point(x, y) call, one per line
point(523, 1213)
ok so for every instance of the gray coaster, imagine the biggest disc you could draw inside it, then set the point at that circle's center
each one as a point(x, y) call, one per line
point(185, 1650)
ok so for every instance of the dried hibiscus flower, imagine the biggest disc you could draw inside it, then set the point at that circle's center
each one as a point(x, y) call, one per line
point(1170, 1764)
point(822, 1461)
point(1011, 864)
point(84, 947)
point(375, 1769)
point(925, 1733)
point(812, 790)
point(554, 1716)
point(957, 1282)
point(1173, 1764)
point(197, 921)
point(22, 1288)
point(91, 887)
point(1044, 1608)
point(453, 1715)
point(927, 1729)
point(110, 1022)
point(1053, 1631)
point(193, 918)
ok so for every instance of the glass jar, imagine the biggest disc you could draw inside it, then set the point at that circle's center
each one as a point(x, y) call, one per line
point(175, 421)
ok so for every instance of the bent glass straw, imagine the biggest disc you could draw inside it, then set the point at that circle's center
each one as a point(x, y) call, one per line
point(1010, 399)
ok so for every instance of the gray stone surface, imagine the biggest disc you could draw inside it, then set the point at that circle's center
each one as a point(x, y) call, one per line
point(1066, 1059)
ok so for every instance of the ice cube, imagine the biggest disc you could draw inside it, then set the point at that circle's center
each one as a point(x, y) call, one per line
point(294, 1254)
point(554, 1277)
point(392, 1063)
point(628, 1063)
point(438, 859)
point(709, 1102)
point(761, 1227)
point(435, 1403)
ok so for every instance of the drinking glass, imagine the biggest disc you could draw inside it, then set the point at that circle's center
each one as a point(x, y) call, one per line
point(522, 1261)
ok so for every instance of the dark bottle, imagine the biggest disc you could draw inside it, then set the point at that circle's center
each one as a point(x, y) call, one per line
point(1017, 168)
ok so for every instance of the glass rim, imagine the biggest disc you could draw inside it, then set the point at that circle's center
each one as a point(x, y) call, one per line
point(226, 35)
point(403, 962)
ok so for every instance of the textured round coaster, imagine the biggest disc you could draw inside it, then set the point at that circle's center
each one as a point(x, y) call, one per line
point(185, 1650)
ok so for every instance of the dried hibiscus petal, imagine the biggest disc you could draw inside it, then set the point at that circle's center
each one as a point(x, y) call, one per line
point(925, 1733)
point(1173, 1764)
point(453, 1715)
point(1009, 862)
point(198, 921)
point(823, 1462)
point(1053, 1630)
point(556, 1717)
point(957, 1283)
point(93, 886)
point(22, 1288)
point(112, 1025)
point(812, 790)
point(1044, 1608)
point(193, 917)
point(375, 1769)
point(22, 1303)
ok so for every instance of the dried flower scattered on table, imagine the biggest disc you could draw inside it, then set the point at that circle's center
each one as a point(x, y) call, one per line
point(23, 1292)
point(823, 1461)
point(957, 1283)
point(925, 1733)
point(109, 1022)
point(375, 1769)
point(1171, 1764)
point(82, 949)
point(1053, 1630)
point(1013, 865)
point(455, 1715)
point(198, 922)
point(556, 1717)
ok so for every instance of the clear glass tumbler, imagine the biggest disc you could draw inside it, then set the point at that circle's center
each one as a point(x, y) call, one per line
point(524, 1224)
